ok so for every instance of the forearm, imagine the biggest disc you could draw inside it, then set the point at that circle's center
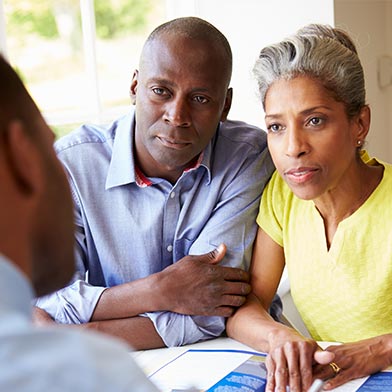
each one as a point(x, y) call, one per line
point(131, 299)
point(254, 326)
point(138, 332)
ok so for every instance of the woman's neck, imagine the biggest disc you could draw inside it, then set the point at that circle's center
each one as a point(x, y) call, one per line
point(341, 202)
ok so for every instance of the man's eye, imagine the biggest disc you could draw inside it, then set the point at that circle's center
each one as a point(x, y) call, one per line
point(158, 91)
point(200, 99)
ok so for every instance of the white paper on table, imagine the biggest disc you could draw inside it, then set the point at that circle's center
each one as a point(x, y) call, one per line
point(198, 369)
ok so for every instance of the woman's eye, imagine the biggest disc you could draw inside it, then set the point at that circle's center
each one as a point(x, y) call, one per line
point(315, 121)
point(274, 128)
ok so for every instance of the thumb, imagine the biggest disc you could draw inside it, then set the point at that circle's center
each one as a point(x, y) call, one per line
point(324, 357)
point(216, 255)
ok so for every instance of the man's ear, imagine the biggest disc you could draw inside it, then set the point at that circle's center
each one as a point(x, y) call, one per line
point(133, 88)
point(226, 108)
point(23, 157)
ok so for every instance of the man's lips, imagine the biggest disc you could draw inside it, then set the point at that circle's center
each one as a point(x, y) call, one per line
point(301, 174)
point(172, 143)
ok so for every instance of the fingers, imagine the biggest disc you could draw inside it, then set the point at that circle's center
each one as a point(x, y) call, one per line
point(270, 387)
point(216, 255)
point(229, 303)
point(324, 357)
point(305, 365)
point(290, 364)
point(235, 274)
point(227, 273)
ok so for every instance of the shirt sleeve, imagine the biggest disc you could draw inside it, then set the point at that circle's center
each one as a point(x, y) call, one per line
point(179, 329)
point(233, 222)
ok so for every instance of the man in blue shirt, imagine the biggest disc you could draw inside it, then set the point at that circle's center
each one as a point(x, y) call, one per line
point(165, 199)
point(36, 257)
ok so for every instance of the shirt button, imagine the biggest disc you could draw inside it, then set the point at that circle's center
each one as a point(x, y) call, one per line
point(169, 248)
point(172, 195)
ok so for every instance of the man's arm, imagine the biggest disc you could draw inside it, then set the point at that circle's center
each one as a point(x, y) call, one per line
point(195, 285)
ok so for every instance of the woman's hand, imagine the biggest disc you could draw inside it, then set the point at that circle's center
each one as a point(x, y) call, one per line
point(290, 360)
point(358, 359)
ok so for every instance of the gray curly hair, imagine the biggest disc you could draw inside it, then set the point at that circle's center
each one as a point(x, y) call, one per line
point(321, 52)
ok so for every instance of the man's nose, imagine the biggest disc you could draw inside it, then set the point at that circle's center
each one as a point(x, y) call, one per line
point(177, 113)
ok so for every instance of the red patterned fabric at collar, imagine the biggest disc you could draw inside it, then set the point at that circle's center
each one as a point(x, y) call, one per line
point(143, 181)
point(195, 163)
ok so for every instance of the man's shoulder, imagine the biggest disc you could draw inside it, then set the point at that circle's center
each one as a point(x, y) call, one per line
point(93, 359)
point(69, 341)
point(243, 133)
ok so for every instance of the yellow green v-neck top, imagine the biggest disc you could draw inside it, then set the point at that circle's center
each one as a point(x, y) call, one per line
point(345, 293)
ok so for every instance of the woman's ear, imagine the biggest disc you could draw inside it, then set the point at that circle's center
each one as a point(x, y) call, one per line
point(23, 157)
point(363, 124)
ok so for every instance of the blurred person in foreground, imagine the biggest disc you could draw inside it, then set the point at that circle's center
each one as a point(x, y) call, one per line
point(165, 199)
point(36, 258)
point(326, 215)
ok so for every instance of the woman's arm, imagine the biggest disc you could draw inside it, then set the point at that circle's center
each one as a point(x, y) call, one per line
point(291, 356)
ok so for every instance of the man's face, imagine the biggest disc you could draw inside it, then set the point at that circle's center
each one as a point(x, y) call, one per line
point(181, 93)
point(53, 257)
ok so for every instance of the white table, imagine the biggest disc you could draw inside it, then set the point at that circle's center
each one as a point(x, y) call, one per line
point(153, 360)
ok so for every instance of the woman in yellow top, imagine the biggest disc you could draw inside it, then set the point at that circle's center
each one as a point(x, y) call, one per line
point(326, 214)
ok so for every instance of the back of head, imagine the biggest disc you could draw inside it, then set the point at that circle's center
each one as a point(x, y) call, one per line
point(198, 29)
point(321, 52)
point(15, 101)
point(36, 218)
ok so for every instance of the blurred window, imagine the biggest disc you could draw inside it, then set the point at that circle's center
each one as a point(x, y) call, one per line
point(77, 57)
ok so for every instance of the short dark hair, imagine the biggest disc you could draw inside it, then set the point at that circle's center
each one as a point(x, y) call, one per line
point(195, 28)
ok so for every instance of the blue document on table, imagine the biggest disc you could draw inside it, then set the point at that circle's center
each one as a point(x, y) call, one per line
point(250, 376)
point(379, 382)
point(217, 370)
point(213, 370)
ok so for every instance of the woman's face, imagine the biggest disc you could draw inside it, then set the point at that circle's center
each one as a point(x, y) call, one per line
point(312, 141)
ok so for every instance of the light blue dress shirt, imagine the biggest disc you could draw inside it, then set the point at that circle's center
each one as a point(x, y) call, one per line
point(126, 231)
point(57, 359)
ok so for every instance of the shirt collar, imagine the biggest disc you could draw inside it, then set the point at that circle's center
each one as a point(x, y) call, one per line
point(16, 292)
point(122, 169)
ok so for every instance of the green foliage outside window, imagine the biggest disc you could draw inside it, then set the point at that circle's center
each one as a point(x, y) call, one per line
point(31, 17)
point(113, 17)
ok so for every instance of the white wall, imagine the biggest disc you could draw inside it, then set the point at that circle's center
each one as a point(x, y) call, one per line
point(369, 22)
point(388, 18)
point(249, 25)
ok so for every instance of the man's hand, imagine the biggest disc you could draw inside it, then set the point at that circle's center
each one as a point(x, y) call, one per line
point(197, 285)
point(41, 318)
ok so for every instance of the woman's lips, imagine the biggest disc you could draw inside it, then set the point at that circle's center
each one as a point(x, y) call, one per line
point(300, 175)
